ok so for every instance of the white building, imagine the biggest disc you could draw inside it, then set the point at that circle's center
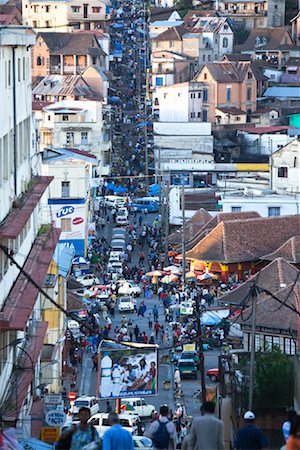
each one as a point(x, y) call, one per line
point(68, 205)
point(76, 124)
point(22, 328)
point(286, 168)
point(217, 38)
point(265, 140)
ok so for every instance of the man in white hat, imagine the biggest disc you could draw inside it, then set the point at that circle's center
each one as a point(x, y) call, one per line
point(250, 437)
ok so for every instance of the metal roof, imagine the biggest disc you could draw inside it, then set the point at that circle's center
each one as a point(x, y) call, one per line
point(279, 91)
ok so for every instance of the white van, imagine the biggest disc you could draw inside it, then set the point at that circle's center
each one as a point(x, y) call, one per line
point(127, 421)
point(141, 407)
point(84, 401)
point(113, 201)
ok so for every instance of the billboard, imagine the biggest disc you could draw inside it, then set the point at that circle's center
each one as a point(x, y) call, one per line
point(126, 370)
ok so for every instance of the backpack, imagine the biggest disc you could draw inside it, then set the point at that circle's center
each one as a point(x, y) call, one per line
point(161, 437)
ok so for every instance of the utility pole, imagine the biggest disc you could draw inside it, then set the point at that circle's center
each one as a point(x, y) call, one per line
point(166, 218)
point(200, 349)
point(252, 353)
point(183, 235)
point(145, 101)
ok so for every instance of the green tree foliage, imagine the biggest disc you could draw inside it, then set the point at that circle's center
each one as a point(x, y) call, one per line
point(273, 379)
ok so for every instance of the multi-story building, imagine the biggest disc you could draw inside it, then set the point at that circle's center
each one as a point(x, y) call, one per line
point(23, 235)
point(76, 124)
point(227, 84)
point(68, 205)
point(66, 53)
point(253, 13)
point(66, 15)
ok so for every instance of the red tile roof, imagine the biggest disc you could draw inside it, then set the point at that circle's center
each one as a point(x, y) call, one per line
point(265, 130)
point(235, 241)
point(172, 34)
point(20, 301)
point(290, 251)
point(15, 221)
point(193, 225)
point(12, 404)
point(227, 71)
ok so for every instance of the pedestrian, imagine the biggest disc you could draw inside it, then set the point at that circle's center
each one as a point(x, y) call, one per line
point(95, 362)
point(155, 313)
point(116, 437)
point(162, 431)
point(136, 332)
point(250, 437)
point(207, 431)
point(156, 329)
point(79, 435)
point(145, 338)
point(150, 321)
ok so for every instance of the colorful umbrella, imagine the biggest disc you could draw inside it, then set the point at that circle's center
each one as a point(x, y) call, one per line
point(127, 407)
point(168, 279)
point(173, 269)
point(190, 275)
point(154, 273)
point(207, 276)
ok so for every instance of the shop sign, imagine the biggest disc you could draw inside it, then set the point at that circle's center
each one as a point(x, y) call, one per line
point(50, 434)
point(55, 418)
point(65, 211)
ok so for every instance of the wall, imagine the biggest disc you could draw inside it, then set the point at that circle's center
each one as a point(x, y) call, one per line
point(173, 102)
point(289, 205)
point(289, 157)
point(41, 54)
point(57, 15)
point(265, 144)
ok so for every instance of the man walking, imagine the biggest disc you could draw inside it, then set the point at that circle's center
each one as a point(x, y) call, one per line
point(250, 437)
point(76, 437)
point(207, 431)
point(163, 431)
point(116, 437)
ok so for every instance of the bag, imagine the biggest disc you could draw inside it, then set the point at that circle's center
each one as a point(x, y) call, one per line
point(161, 437)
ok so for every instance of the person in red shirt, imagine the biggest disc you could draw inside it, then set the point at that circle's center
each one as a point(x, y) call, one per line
point(156, 329)
point(145, 338)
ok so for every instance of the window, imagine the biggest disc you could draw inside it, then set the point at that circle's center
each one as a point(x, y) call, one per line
point(205, 76)
point(75, 9)
point(65, 224)
point(282, 172)
point(65, 189)
point(24, 69)
point(170, 43)
point(96, 9)
point(249, 75)
point(65, 118)
point(157, 44)
point(208, 58)
point(19, 69)
point(193, 115)
point(225, 42)
point(199, 94)
point(47, 8)
point(205, 95)
point(273, 211)
point(249, 94)
point(257, 342)
point(48, 24)
point(203, 58)
point(159, 81)
point(205, 115)
point(199, 115)
point(268, 343)
point(228, 94)
point(84, 137)
point(35, 8)
point(236, 209)
point(289, 346)
point(39, 61)
point(69, 138)
point(35, 23)
point(85, 10)
point(9, 73)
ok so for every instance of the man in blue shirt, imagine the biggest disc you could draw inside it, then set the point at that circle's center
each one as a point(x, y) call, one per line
point(116, 437)
point(250, 437)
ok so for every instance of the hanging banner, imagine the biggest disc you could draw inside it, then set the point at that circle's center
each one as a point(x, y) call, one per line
point(126, 370)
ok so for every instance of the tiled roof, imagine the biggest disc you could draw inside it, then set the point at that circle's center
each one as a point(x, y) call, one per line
point(272, 277)
point(193, 225)
point(270, 38)
point(71, 43)
point(290, 251)
point(172, 34)
point(221, 217)
point(265, 130)
point(235, 241)
point(227, 72)
point(157, 13)
point(231, 110)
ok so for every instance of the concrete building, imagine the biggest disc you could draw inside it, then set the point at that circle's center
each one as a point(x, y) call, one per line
point(66, 15)
point(23, 235)
point(76, 124)
point(68, 205)
point(264, 140)
point(286, 168)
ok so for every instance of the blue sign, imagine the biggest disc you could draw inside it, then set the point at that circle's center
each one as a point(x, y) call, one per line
point(64, 211)
point(76, 244)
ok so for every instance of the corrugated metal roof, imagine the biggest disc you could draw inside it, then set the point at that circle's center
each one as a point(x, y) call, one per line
point(64, 85)
point(279, 91)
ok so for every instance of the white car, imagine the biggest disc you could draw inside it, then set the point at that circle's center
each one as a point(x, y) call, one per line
point(84, 400)
point(122, 220)
point(88, 279)
point(126, 303)
point(129, 288)
point(111, 261)
point(116, 267)
point(140, 406)
point(128, 422)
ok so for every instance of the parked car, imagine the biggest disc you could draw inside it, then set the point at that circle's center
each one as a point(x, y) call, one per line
point(126, 303)
point(141, 407)
point(89, 402)
point(122, 220)
point(128, 288)
point(213, 374)
point(88, 279)
point(191, 355)
point(187, 368)
point(128, 421)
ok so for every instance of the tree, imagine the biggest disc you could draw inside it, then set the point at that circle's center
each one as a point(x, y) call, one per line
point(273, 385)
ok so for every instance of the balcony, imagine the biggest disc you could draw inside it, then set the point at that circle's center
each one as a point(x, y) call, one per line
point(162, 70)
point(243, 12)
point(67, 70)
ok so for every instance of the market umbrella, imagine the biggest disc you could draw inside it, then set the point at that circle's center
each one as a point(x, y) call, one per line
point(80, 260)
point(168, 279)
point(190, 276)
point(120, 189)
point(154, 273)
point(117, 25)
point(207, 276)
point(127, 407)
point(173, 269)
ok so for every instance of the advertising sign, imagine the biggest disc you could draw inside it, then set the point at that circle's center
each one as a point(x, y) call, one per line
point(50, 434)
point(55, 418)
point(127, 370)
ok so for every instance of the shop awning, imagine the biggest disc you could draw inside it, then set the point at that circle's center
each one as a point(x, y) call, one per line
point(22, 297)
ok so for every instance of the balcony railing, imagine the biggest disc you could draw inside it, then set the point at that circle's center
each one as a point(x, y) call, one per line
point(67, 69)
point(243, 12)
